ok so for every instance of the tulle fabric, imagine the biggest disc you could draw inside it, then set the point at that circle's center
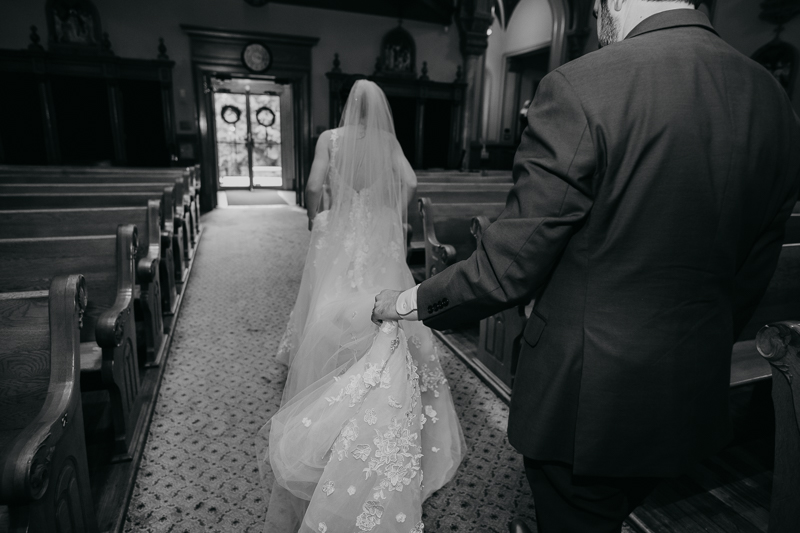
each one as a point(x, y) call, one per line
point(367, 429)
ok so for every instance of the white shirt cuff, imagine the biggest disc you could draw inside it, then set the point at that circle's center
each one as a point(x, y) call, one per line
point(406, 305)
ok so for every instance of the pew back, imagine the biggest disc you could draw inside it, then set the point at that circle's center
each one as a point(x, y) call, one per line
point(77, 200)
point(446, 231)
point(34, 223)
point(30, 265)
point(24, 358)
point(44, 477)
point(463, 177)
point(782, 299)
point(51, 187)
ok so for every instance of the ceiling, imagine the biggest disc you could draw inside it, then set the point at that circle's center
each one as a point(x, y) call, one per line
point(436, 11)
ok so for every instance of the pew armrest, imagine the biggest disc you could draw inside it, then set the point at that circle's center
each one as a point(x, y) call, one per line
point(437, 255)
point(26, 473)
point(779, 343)
point(409, 235)
point(147, 266)
point(478, 227)
point(110, 329)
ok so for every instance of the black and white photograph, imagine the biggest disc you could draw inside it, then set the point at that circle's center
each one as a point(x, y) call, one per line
point(400, 266)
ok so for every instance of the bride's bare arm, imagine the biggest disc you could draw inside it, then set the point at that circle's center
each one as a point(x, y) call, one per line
point(403, 168)
point(316, 177)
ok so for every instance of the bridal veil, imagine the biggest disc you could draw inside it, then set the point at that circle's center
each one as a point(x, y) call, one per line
point(367, 429)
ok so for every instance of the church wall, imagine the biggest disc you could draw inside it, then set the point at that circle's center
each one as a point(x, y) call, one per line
point(529, 28)
point(134, 29)
point(737, 22)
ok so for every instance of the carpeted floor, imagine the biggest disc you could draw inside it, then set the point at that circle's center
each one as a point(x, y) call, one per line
point(234, 197)
point(199, 470)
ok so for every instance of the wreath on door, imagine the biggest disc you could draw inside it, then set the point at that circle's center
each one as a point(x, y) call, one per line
point(265, 116)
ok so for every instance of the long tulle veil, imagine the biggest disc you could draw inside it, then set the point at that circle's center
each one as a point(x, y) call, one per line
point(362, 229)
point(356, 250)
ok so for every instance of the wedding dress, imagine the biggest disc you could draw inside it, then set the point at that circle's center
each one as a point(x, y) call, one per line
point(367, 429)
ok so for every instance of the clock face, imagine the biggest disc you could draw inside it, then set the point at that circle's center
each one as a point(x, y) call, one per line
point(256, 57)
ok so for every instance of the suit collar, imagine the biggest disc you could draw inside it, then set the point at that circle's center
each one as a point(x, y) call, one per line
point(671, 19)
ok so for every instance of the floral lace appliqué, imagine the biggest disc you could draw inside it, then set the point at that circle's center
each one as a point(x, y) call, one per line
point(359, 384)
point(370, 516)
point(362, 452)
point(287, 340)
point(394, 458)
point(431, 413)
point(346, 438)
point(431, 380)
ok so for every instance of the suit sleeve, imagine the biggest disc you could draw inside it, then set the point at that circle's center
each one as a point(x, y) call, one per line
point(553, 173)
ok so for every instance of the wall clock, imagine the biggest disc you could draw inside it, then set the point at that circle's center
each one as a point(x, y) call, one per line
point(256, 57)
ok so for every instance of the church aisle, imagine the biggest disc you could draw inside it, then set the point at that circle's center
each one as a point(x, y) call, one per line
point(199, 472)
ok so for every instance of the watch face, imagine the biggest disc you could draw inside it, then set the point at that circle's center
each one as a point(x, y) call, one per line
point(256, 57)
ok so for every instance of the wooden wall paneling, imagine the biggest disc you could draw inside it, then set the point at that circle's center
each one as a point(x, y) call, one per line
point(420, 132)
point(80, 104)
point(52, 146)
point(288, 141)
point(412, 102)
point(117, 122)
point(168, 109)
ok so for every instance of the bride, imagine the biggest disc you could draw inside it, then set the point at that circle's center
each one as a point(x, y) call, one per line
point(366, 430)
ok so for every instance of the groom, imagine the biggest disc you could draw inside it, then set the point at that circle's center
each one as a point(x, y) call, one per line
point(652, 185)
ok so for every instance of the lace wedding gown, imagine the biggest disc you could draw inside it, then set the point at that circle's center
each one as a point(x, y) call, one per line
point(367, 429)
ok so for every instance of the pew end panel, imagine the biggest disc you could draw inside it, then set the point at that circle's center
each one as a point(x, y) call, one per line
point(174, 224)
point(149, 280)
point(437, 255)
point(779, 343)
point(44, 477)
point(156, 294)
point(500, 337)
point(107, 264)
point(116, 334)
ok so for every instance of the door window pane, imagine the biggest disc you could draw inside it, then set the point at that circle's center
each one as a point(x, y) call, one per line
point(265, 121)
point(230, 120)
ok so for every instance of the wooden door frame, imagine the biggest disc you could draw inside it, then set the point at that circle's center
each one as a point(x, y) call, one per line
point(218, 51)
point(288, 137)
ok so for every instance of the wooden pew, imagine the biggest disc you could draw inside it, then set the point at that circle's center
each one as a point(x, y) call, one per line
point(182, 215)
point(189, 178)
point(152, 294)
point(185, 206)
point(108, 337)
point(172, 225)
point(450, 176)
point(463, 192)
point(779, 344)
point(44, 477)
point(500, 335)
point(446, 230)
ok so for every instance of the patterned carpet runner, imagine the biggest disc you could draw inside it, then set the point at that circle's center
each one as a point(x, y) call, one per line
point(199, 471)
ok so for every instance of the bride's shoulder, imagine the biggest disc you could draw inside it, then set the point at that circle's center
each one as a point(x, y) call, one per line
point(325, 138)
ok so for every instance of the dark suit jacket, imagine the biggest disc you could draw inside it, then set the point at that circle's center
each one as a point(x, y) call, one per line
point(651, 190)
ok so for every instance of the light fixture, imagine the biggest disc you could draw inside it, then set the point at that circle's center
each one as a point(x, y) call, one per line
point(489, 31)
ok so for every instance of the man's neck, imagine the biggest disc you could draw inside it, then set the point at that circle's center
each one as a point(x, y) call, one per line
point(640, 10)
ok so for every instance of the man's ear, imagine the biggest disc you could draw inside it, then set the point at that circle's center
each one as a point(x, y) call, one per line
point(618, 4)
